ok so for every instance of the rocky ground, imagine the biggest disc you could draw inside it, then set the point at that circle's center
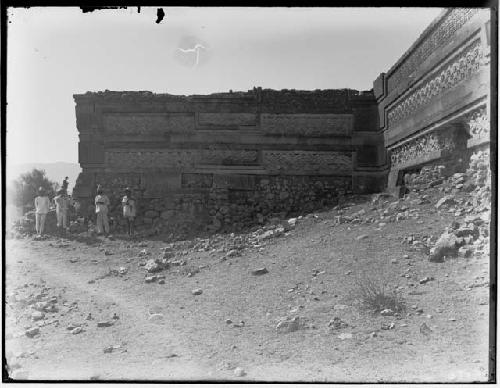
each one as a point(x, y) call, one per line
point(282, 302)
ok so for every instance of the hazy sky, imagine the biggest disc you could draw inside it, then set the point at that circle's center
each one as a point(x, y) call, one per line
point(54, 53)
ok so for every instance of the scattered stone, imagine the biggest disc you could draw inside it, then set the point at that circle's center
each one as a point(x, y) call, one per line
point(465, 252)
point(91, 281)
point(122, 270)
point(152, 266)
point(76, 330)
point(425, 280)
point(197, 291)
point(31, 332)
point(228, 321)
point(344, 336)
point(104, 324)
point(362, 237)
point(387, 312)
point(425, 330)
point(389, 326)
point(37, 315)
point(156, 317)
point(288, 325)
point(446, 200)
point(161, 281)
point(149, 279)
point(239, 372)
point(260, 271)
point(445, 246)
point(336, 323)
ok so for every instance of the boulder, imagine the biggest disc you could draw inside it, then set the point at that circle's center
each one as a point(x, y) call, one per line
point(239, 372)
point(32, 331)
point(446, 200)
point(37, 315)
point(445, 246)
point(260, 271)
point(288, 325)
point(152, 266)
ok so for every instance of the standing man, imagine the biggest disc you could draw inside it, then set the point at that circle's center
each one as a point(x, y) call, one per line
point(101, 209)
point(62, 203)
point(41, 209)
point(129, 210)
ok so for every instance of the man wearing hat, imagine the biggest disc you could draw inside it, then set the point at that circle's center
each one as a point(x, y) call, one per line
point(129, 210)
point(42, 204)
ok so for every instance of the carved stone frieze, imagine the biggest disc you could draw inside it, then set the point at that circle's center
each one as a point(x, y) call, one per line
point(308, 161)
point(455, 71)
point(227, 119)
point(421, 147)
point(147, 124)
point(194, 180)
point(478, 123)
point(177, 158)
point(307, 124)
point(441, 34)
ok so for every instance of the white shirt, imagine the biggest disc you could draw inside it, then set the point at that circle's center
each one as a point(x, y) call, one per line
point(101, 203)
point(42, 204)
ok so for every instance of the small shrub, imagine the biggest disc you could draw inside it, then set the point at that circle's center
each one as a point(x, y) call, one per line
point(374, 295)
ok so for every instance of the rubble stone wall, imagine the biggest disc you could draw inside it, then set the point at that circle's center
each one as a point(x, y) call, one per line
point(227, 160)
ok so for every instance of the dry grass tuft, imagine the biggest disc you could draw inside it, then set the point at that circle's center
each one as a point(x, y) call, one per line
point(374, 295)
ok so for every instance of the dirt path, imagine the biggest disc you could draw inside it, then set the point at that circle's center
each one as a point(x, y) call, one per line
point(193, 340)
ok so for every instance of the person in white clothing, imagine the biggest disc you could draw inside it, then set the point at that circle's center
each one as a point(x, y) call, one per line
point(101, 209)
point(129, 210)
point(42, 204)
point(62, 203)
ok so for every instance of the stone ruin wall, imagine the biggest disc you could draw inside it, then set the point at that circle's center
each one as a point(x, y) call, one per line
point(228, 160)
point(434, 102)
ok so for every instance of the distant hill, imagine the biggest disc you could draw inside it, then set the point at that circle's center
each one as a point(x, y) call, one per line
point(55, 171)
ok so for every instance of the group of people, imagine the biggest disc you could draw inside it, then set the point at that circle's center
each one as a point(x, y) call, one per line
point(63, 201)
point(102, 203)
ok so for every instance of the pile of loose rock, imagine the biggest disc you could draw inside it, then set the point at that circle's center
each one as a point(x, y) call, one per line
point(428, 176)
point(470, 235)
